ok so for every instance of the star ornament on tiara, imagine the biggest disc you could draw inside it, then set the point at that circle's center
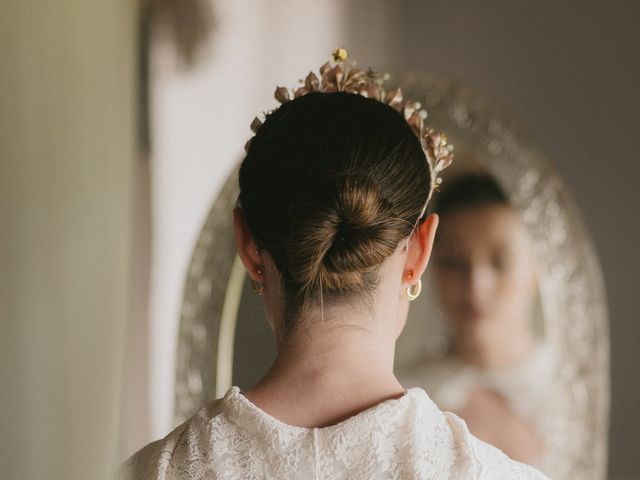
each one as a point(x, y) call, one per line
point(339, 76)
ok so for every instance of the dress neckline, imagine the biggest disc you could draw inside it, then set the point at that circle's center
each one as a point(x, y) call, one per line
point(245, 412)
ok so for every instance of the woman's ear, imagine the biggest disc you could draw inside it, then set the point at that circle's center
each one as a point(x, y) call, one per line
point(247, 248)
point(419, 248)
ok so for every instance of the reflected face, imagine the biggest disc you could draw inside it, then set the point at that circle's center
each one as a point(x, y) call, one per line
point(484, 266)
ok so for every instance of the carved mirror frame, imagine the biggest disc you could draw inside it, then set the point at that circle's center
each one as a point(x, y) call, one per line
point(570, 281)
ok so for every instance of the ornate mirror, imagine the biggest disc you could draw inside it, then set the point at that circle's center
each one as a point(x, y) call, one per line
point(224, 338)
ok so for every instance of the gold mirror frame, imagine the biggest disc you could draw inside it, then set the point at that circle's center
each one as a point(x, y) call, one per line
point(571, 285)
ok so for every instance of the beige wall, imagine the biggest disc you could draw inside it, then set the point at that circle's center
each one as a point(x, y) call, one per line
point(67, 155)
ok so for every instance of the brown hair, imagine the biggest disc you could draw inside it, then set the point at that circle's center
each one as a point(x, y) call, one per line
point(469, 190)
point(330, 185)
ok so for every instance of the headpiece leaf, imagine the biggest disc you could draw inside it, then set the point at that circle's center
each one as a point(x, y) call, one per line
point(338, 76)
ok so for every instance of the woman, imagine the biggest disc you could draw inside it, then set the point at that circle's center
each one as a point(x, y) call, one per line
point(496, 375)
point(330, 227)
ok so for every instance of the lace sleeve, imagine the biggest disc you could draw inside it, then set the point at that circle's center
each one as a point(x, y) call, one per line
point(490, 462)
point(152, 462)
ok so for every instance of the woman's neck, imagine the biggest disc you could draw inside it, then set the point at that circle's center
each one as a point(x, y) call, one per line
point(329, 369)
point(495, 345)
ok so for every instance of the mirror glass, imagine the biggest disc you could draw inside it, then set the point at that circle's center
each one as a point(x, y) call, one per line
point(510, 331)
point(476, 339)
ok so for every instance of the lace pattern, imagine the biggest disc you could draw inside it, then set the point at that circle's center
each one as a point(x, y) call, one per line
point(404, 438)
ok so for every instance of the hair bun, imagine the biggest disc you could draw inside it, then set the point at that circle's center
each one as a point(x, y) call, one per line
point(337, 241)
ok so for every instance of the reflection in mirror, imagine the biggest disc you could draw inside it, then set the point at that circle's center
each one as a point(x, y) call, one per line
point(511, 328)
point(496, 337)
point(492, 365)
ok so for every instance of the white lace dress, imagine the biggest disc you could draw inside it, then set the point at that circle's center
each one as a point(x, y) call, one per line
point(404, 438)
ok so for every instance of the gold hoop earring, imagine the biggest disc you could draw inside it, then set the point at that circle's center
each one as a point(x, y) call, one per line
point(413, 291)
point(258, 287)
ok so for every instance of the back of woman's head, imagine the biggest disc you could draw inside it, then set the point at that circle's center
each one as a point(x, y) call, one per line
point(330, 185)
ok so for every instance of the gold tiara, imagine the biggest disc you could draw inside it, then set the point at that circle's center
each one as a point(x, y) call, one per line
point(338, 76)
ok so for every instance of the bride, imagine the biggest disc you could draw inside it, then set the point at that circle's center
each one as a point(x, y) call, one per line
point(331, 227)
